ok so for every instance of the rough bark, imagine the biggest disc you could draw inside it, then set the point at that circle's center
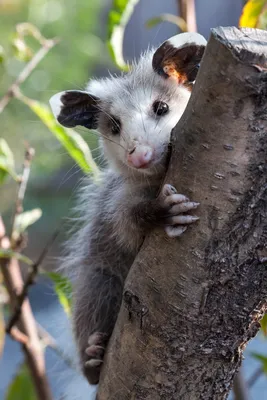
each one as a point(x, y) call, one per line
point(191, 304)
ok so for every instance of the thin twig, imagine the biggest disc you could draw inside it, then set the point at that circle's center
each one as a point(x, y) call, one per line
point(27, 29)
point(47, 247)
point(26, 331)
point(23, 182)
point(255, 376)
point(240, 388)
point(187, 11)
point(19, 303)
point(29, 281)
point(19, 336)
point(32, 347)
point(32, 64)
point(2, 228)
point(24, 179)
point(51, 342)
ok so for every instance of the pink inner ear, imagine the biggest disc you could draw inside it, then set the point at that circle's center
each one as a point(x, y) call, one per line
point(173, 74)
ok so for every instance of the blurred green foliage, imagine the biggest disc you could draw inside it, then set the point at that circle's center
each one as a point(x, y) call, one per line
point(67, 66)
point(119, 16)
point(21, 387)
point(63, 290)
point(6, 161)
point(72, 141)
point(254, 14)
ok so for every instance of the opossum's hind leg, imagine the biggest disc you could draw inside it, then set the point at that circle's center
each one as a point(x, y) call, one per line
point(95, 351)
point(98, 298)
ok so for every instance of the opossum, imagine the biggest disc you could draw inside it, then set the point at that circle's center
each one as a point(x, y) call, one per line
point(134, 114)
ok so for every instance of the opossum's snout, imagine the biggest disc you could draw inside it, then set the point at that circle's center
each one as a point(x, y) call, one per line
point(140, 156)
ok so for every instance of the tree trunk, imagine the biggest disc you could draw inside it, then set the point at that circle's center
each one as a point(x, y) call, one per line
point(191, 304)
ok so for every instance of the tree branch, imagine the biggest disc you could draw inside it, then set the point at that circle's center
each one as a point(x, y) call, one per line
point(32, 347)
point(27, 70)
point(187, 11)
point(26, 332)
point(18, 336)
point(255, 376)
point(23, 182)
point(29, 281)
point(240, 388)
point(205, 292)
point(49, 341)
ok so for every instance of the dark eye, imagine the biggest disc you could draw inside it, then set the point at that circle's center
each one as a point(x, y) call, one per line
point(115, 126)
point(160, 108)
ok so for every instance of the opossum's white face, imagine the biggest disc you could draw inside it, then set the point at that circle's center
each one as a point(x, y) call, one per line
point(136, 112)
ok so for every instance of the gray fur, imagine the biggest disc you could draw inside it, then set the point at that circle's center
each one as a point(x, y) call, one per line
point(118, 211)
point(108, 242)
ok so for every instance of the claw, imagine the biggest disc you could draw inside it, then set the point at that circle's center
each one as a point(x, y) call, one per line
point(93, 363)
point(175, 231)
point(176, 205)
point(176, 199)
point(95, 351)
point(182, 219)
point(168, 190)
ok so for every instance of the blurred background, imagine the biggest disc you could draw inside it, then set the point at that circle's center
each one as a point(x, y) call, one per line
point(81, 53)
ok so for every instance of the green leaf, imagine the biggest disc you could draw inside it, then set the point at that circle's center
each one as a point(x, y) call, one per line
point(6, 161)
point(21, 51)
point(262, 359)
point(174, 19)
point(24, 220)
point(22, 386)
point(251, 13)
point(262, 21)
point(264, 324)
point(6, 253)
point(2, 55)
point(71, 140)
point(118, 18)
point(63, 289)
point(6, 152)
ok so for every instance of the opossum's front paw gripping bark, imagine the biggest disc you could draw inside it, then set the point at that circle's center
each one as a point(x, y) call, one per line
point(94, 355)
point(174, 206)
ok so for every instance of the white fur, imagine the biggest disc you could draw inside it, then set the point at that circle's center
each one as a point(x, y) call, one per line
point(188, 37)
point(130, 98)
point(56, 103)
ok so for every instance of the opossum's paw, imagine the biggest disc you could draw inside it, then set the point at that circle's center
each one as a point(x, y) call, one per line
point(94, 355)
point(175, 206)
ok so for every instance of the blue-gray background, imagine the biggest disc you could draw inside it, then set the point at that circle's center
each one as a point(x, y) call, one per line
point(82, 26)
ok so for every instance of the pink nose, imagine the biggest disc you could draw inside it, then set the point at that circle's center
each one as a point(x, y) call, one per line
point(140, 157)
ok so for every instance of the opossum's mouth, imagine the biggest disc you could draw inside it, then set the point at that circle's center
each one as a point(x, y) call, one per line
point(143, 166)
point(154, 167)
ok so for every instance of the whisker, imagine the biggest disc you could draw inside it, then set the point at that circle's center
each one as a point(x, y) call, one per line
point(100, 134)
point(74, 84)
point(68, 176)
point(110, 117)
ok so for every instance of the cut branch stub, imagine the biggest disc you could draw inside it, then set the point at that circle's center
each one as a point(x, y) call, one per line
point(204, 293)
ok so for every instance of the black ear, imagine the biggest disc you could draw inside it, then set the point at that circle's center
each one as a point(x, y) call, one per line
point(73, 107)
point(179, 57)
